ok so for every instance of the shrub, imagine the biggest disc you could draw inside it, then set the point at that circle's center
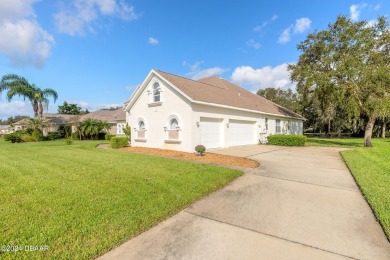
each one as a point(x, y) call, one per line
point(53, 136)
point(200, 149)
point(119, 142)
point(75, 135)
point(109, 136)
point(13, 138)
point(65, 131)
point(287, 140)
point(69, 141)
point(7, 137)
point(37, 135)
point(27, 138)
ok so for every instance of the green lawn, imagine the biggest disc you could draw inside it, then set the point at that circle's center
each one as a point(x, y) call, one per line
point(336, 142)
point(81, 201)
point(371, 170)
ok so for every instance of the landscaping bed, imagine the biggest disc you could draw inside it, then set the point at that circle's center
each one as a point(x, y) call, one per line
point(207, 157)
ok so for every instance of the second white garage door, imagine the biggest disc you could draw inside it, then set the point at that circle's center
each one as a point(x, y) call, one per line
point(210, 132)
point(241, 133)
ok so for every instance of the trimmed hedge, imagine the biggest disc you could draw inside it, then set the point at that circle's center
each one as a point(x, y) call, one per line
point(109, 136)
point(287, 140)
point(119, 142)
point(53, 136)
point(27, 138)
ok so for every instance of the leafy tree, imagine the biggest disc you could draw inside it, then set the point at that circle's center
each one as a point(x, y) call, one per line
point(92, 127)
point(17, 85)
point(347, 68)
point(127, 131)
point(285, 98)
point(37, 125)
point(71, 109)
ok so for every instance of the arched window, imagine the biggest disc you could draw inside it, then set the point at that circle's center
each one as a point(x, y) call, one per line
point(173, 128)
point(156, 92)
point(141, 125)
point(173, 124)
point(141, 129)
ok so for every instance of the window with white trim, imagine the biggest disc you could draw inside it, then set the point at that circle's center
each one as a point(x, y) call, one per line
point(277, 126)
point(156, 92)
point(173, 132)
point(266, 124)
point(119, 129)
point(141, 130)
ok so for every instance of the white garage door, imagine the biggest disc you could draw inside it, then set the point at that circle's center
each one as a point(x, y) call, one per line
point(210, 132)
point(241, 132)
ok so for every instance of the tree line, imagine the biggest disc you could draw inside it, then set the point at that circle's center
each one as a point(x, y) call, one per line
point(343, 78)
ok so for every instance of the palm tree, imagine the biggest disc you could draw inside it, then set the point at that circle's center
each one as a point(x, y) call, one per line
point(17, 85)
point(92, 127)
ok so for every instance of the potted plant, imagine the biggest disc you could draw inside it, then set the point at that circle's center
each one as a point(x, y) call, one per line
point(200, 149)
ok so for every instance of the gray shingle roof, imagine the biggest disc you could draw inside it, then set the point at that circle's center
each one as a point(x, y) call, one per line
point(110, 116)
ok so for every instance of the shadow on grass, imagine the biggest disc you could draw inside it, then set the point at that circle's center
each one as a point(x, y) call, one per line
point(330, 142)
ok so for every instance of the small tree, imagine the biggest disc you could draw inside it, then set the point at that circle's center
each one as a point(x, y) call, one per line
point(92, 127)
point(37, 125)
point(127, 131)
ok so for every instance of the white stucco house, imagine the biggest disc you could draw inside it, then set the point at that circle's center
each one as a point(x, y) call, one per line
point(172, 112)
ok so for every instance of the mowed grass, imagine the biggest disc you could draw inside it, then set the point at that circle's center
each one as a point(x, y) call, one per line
point(81, 201)
point(371, 170)
point(335, 142)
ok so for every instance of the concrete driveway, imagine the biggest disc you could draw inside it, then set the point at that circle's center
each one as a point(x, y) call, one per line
point(302, 203)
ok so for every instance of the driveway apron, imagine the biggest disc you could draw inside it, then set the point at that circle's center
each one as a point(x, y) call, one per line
point(302, 203)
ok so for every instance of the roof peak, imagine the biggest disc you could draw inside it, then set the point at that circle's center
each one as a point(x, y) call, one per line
point(198, 81)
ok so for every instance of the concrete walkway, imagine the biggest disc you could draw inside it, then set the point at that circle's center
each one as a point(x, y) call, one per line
point(301, 204)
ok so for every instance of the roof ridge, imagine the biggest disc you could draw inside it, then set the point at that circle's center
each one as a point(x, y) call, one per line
point(189, 78)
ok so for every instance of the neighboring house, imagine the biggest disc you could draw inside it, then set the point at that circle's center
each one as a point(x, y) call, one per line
point(20, 125)
point(173, 112)
point(54, 121)
point(6, 129)
point(117, 119)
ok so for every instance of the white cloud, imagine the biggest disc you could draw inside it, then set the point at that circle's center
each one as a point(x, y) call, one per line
point(285, 36)
point(80, 15)
point(153, 41)
point(355, 11)
point(301, 25)
point(267, 76)
point(253, 44)
point(23, 41)
point(198, 73)
point(14, 108)
point(207, 73)
point(94, 107)
point(264, 24)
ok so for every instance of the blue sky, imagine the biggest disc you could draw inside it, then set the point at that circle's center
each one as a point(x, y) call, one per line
point(95, 52)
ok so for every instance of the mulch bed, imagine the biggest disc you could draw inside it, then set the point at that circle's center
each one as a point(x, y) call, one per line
point(207, 157)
